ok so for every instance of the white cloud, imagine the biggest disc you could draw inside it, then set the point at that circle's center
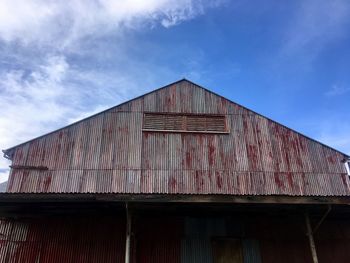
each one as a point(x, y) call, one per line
point(43, 86)
point(31, 97)
point(30, 103)
point(4, 174)
point(337, 90)
point(56, 93)
point(48, 97)
point(61, 24)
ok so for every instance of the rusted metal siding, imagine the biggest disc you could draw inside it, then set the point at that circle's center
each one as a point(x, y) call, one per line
point(251, 251)
point(62, 240)
point(169, 239)
point(158, 240)
point(196, 250)
point(332, 241)
point(109, 153)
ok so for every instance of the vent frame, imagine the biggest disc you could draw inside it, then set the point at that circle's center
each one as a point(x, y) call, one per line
point(170, 122)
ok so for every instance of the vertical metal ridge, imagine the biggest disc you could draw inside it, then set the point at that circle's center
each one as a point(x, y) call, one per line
point(109, 153)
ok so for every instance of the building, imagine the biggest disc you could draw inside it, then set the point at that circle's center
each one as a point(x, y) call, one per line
point(177, 175)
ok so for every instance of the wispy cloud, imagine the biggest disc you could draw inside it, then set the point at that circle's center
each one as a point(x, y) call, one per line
point(56, 93)
point(315, 24)
point(62, 24)
point(62, 61)
point(3, 175)
point(337, 90)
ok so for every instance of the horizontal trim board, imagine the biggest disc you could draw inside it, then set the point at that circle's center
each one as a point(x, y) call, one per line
point(185, 131)
point(175, 198)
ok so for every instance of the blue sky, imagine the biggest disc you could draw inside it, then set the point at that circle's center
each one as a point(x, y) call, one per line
point(288, 60)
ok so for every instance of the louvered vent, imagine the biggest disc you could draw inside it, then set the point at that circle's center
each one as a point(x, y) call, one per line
point(184, 123)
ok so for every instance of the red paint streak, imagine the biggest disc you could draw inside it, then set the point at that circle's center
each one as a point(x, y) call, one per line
point(25, 176)
point(286, 155)
point(224, 157)
point(278, 181)
point(168, 101)
point(172, 183)
point(290, 179)
point(270, 154)
point(223, 106)
point(11, 178)
point(298, 155)
point(331, 159)
point(19, 155)
point(201, 138)
point(211, 151)
point(47, 183)
point(302, 144)
point(245, 124)
point(199, 181)
point(188, 160)
point(218, 181)
point(285, 142)
point(252, 155)
point(124, 130)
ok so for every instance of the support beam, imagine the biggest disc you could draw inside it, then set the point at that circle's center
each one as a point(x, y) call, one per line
point(311, 238)
point(128, 234)
point(329, 207)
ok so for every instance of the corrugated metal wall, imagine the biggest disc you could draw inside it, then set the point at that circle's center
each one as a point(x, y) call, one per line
point(251, 251)
point(109, 153)
point(168, 239)
point(158, 240)
point(196, 245)
point(187, 240)
point(69, 239)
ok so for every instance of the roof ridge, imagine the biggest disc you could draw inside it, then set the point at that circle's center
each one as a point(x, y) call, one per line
point(7, 152)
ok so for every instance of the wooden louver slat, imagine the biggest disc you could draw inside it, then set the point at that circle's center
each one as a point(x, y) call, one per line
point(184, 123)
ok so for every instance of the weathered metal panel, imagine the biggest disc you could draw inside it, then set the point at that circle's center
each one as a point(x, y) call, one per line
point(195, 250)
point(227, 250)
point(109, 153)
point(251, 251)
point(62, 240)
point(205, 228)
point(158, 239)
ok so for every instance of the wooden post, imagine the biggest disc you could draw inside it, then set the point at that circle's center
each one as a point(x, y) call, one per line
point(128, 235)
point(311, 238)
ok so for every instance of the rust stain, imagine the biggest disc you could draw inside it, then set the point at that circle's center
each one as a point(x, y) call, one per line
point(331, 159)
point(172, 183)
point(47, 183)
point(278, 181)
point(199, 181)
point(188, 159)
point(255, 152)
point(290, 179)
point(219, 181)
point(211, 151)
